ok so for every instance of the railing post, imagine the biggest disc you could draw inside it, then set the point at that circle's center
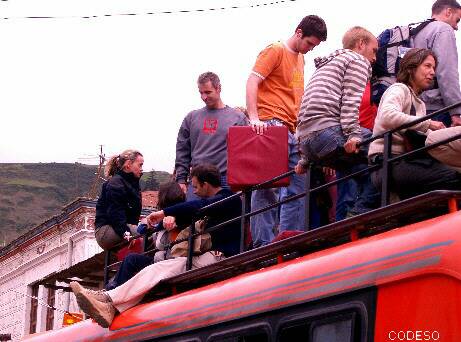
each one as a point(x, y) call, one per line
point(190, 249)
point(246, 202)
point(307, 200)
point(106, 267)
point(145, 240)
point(452, 205)
point(386, 169)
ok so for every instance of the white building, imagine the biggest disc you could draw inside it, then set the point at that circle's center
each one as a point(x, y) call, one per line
point(41, 263)
point(40, 257)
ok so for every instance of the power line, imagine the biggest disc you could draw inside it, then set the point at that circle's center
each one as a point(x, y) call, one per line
point(198, 10)
point(43, 303)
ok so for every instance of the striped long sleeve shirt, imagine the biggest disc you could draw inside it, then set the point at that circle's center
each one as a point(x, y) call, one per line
point(333, 94)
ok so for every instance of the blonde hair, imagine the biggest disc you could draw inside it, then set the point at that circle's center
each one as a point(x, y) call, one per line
point(355, 35)
point(116, 163)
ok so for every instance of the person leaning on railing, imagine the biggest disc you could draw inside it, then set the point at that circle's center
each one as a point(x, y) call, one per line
point(400, 105)
point(206, 183)
point(119, 206)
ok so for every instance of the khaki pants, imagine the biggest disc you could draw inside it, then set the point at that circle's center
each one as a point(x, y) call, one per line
point(450, 153)
point(107, 238)
point(131, 293)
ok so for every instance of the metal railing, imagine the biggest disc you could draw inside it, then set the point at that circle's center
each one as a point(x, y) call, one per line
point(245, 195)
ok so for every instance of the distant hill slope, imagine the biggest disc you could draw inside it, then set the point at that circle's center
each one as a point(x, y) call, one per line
point(32, 193)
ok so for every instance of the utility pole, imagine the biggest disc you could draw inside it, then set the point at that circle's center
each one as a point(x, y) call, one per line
point(95, 185)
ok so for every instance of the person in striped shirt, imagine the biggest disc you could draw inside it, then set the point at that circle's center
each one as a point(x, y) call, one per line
point(328, 127)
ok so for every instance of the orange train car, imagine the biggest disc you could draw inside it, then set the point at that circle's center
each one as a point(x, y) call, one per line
point(364, 279)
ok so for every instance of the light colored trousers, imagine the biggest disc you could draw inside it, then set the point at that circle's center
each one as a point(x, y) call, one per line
point(448, 154)
point(131, 293)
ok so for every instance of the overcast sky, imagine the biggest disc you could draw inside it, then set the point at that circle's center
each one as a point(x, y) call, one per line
point(69, 84)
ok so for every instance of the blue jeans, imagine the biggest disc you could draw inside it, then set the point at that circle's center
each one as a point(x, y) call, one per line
point(291, 214)
point(325, 147)
point(347, 196)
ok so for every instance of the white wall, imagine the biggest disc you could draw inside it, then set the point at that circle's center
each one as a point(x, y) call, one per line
point(34, 261)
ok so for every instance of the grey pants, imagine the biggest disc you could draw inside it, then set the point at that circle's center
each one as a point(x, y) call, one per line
point(107, 238)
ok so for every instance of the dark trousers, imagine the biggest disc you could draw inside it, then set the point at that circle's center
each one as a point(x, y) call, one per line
point(132, 264)
point(419, 175)
point(442, 117)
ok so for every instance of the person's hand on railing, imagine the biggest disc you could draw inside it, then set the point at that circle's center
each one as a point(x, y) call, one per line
point(436, 125)
point(155, 217)
point(300, 168)
point(351, 145)
point(169, 223)
point(455, 120)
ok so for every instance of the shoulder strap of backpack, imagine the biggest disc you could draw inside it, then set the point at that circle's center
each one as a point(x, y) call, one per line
point(415, 30)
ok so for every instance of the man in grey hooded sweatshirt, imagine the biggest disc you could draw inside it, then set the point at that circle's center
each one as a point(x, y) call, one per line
point(328, 122)
point(439, 36)
point(202, 137)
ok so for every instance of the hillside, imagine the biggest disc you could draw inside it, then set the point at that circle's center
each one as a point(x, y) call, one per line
point(32, 193)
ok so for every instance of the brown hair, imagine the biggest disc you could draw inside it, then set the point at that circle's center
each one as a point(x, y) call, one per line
point(313, 25)
point(412, 59)
point(440, 5)
point(116, 163)
point(170, 193)
point(209, 76)
point(355, 35)
point(207, 173)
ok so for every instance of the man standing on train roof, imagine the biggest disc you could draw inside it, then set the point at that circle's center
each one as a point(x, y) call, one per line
point(439, 36)
point(273, 94)
point(202, 137)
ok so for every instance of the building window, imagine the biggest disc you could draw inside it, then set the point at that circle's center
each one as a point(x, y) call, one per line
point(50, 311)
point(33, 309)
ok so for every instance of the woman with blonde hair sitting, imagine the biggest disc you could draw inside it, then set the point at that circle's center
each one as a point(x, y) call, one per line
point(119, 206)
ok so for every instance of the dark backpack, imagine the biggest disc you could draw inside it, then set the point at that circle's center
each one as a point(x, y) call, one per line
point(392, 45)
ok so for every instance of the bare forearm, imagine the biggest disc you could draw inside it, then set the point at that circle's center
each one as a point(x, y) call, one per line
point(251, 97)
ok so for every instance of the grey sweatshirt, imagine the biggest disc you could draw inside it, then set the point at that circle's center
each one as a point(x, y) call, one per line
point(440, 38)
point(333, 94)
point(202, 138)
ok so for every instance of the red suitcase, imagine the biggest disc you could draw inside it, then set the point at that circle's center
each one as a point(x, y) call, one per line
point(253, 158)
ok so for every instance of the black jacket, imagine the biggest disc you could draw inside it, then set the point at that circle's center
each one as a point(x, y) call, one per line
point(119, 203)
point(227, 238)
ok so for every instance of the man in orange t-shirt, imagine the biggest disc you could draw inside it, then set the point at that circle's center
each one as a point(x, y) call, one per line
point(273, 95)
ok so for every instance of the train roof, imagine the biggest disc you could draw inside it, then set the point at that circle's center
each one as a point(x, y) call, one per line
point(345, 256)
